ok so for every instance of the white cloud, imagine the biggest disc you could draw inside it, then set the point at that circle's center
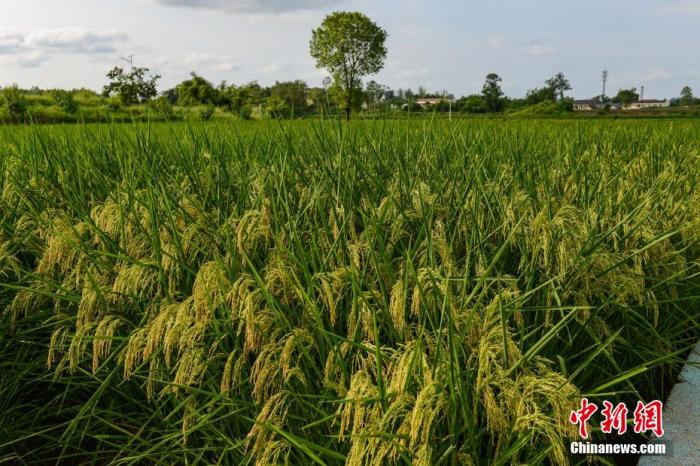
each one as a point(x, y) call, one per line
point(31, 59)
point(211, 62)
point(10, 41)
point(31, 43)
point(540, 50)
point(251, 6)
point(75, 40)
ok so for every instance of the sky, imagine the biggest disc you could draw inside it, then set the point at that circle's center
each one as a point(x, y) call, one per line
point(440, 45)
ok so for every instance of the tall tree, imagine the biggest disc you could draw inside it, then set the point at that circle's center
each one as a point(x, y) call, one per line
point(687, 97)
point(349, 45)
point(375, 93)
point(131, 86)
point(559, 84)
point(492, 92)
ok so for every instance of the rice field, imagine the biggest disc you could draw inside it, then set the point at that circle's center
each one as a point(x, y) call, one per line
point(380, 293)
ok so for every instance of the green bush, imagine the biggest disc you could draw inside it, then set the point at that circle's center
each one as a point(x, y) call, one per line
point(66, 100)
point(15, 101)
point(162, 107)
point(207, 111)
point(246, 112)
point(114, 103)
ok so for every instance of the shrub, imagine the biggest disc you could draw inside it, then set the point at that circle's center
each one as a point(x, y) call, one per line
point(65, 100)
point(162, 106)
point(246, 112)
point(207, 111)
point(114, 103)
point(15, 101)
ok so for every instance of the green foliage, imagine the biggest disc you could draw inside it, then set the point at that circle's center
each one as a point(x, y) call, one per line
point(14, 100)
point(541, 94)
point(547, 107)
point(163, 106)
point(196, 91)
point(248, 95)
point(474, 103)
point(288, 98)
point(492, 93)
point(349, 45)
point(66, 100)
point(566, 104)
point(687, 97)
point(559, 84)
point(245, 112)
point(375, 92)
point(347, 99)
point(114, 103)
point(276, 107)
point(87, 98)
point(626, 96)
point(207, 111)
point(320, 100)
point(131, 86)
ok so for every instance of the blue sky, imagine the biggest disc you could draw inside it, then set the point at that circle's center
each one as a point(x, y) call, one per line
point(447, 45)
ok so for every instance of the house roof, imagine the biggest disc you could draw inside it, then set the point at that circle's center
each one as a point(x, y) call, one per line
point(433, 99)
point(651, 101)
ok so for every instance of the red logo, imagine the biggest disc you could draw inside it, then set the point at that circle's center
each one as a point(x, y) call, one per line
point(614, 418)
point(647, 417)
point(582, 416)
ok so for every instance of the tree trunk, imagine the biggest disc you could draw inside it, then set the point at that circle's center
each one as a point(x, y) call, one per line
point(348, 101)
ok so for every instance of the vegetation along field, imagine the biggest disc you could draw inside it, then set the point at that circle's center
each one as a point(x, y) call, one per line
point(408, 292)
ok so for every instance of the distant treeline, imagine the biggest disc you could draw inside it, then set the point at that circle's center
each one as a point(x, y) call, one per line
point(132, 94)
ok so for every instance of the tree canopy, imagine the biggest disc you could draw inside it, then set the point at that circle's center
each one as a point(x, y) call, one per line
point(687, 97)
point(349, 45)
point(626, 96)
point(131, 86)
point(559, 84)
point(196, 91)
point(492, 92)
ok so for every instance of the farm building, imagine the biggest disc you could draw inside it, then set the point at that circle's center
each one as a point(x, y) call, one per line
point(585, 105)
point(648, 103)
point(594, 104)
point(425, 101)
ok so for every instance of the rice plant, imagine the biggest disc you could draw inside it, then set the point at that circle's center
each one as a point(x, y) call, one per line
point(409, 292)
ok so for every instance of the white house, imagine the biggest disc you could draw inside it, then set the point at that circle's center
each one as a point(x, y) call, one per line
point(425, 101)
point(585, 105)
point(648, 103)
point(595, 104)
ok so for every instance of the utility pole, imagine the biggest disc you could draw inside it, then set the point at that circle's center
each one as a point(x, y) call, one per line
point(605, 81)
point(129, 59)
